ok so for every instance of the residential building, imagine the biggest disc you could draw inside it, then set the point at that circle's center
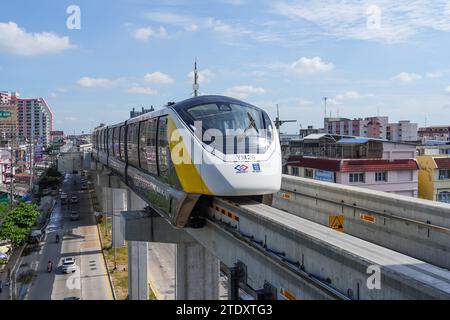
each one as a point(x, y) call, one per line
point(403, 131)
point(35, 119)
point(358, 161)
point(5, 97)
point(434, 178)
point(438, 133)
point(371, 127)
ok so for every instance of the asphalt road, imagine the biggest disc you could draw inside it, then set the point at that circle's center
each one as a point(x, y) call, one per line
point(79, 239)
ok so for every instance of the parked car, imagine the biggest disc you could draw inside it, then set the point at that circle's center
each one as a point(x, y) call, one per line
point(84, 186)
point(74, 215)
point(69, 265)
point(74, 199)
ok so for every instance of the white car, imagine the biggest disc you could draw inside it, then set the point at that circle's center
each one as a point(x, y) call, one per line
point(69, 265)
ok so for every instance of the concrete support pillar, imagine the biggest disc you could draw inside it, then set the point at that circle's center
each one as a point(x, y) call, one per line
point(119, 204)
point(197, 273)
point(137, 270)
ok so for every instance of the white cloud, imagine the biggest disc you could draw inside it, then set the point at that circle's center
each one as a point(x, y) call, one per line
point(303, 102)
point(16, 40)
point(142, 90)
point(406, 77)
point(144, 34)
point(204, 76)
point(447, 89)
point(158, 78)
point(349, 95)
point(242, 92)
point(394, 20)
point(434, 75)
point(88, 82)
point(305, 66)
point(53, 95)
point(70, 118)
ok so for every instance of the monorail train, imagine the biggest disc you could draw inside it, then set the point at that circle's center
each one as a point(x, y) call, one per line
point(179, 157)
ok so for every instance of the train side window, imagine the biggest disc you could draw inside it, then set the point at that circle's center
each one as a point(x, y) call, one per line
point(122, 143)
point(167, 171)
point(116, 152)
point(132, 145)
point(147, 146)
point(111, 141)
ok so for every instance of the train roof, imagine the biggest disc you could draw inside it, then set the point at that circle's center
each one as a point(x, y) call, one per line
point(204, 100)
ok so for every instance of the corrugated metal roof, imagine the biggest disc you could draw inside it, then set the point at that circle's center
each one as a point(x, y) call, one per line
point(353, 140)
point(378, 165)
point(442, 163)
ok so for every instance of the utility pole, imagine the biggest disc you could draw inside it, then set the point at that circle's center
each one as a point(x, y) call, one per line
point(11, 183)
point(325, 105)
point(196, 85)
point(278, 122)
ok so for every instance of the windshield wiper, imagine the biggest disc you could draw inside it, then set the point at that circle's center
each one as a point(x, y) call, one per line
point(252, 123)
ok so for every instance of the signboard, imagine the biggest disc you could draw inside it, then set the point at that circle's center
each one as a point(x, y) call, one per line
point(5, 114)
point(367, 217)
point(336, 222)
point(323, 175)
point(286, 196)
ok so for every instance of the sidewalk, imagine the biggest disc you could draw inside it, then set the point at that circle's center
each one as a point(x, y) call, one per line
point(4, 276)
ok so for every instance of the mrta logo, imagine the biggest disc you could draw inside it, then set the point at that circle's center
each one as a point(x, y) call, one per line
point(241, 168)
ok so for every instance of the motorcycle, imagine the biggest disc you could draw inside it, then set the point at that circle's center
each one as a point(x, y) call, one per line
point(49, 267)
point(57, 238)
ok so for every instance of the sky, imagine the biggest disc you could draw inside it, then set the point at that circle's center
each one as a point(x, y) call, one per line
point(367, 57)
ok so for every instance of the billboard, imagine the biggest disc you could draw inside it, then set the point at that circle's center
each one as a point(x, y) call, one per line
point(323, 175)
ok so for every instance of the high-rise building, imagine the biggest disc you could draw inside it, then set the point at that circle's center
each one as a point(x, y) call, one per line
point(34, 119)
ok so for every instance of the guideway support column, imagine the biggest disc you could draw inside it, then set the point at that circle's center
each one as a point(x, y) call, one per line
point(137, 257)
point(197, 273)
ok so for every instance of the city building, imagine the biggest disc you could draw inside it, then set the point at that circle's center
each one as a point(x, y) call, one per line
point(358, 161)
point(434, 150)
point(371, 127)
point(56, 137)
point(8, 124)
point(134, 113)
point(403, 131)
point(5, 97)
point(34, 119)
point(310, 130)
point(5, 166)
point(434, 177)
point(438, 133)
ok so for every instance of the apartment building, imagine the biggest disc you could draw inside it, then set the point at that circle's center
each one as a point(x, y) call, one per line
point(434, 177)
point(358, 161)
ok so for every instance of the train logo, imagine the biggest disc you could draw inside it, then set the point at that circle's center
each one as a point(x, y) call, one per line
point(241, 168)
point(256, 167)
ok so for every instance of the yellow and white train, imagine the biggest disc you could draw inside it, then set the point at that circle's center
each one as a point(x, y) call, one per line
point(179, 157)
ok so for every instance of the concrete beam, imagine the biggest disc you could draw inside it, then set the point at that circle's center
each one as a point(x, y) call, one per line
point(151, 227)
point(197, 273)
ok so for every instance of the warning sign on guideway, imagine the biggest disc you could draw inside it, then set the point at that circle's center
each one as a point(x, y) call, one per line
point(336, 222)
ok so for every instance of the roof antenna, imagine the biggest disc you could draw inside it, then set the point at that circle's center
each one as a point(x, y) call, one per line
point(196, 86)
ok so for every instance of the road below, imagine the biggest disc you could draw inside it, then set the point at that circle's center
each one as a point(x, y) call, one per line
point(79, 240)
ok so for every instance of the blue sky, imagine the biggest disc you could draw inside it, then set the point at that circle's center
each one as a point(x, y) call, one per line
point(378, 57)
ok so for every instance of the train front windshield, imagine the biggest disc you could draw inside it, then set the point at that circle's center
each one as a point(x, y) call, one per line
point(231, 128)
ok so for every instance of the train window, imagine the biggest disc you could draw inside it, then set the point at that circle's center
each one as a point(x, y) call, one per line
point(110, 141)
point(116, 152)
point(163, 149)
point(167, 171)
point(122, 142)
point(132, 144)
point(147, 146)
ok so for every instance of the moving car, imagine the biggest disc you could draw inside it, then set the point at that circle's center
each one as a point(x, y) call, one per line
point(63, 198)
point(74, 215)
point(69, 265)
point(74, 199)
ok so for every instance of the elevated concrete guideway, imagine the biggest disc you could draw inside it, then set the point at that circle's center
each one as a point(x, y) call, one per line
point(416, 227)
point(272, 254)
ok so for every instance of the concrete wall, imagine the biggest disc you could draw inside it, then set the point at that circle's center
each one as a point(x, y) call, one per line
point(416, 227)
